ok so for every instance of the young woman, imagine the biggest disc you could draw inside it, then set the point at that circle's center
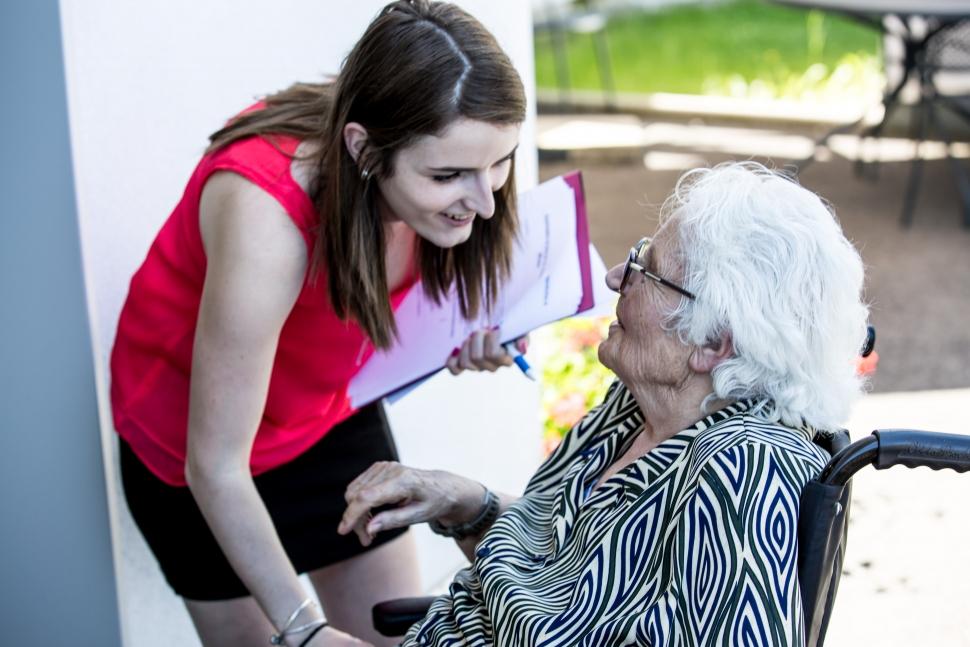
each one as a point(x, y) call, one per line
point(303, 227)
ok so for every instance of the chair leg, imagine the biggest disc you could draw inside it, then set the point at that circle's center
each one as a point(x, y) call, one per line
point(601, 51)
point(959, 174)
point(957, 169)
point(802, 164)
point(919, 124)
point(560, 53)
point(890, 102)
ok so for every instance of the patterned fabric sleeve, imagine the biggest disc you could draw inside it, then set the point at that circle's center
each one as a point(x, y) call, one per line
point(734, 578)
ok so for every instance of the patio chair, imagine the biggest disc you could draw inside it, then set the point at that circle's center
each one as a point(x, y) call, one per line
point(822, 520)
point(947, 52)
point(934, 44)
point(558, 22)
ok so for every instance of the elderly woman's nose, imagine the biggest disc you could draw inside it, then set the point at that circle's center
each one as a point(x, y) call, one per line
point(614, 277)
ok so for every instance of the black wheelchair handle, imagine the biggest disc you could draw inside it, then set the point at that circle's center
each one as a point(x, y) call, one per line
point(931, 449)
point(908, 447)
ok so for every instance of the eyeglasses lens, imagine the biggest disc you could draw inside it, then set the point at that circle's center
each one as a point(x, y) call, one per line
point(636, 254)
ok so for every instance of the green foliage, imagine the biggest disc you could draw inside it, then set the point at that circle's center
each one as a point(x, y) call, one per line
point(740, 47)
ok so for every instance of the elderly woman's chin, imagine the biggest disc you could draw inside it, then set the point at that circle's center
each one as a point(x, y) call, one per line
point(607, 349)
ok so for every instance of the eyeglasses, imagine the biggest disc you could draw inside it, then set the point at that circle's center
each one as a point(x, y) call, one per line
point(632, 263)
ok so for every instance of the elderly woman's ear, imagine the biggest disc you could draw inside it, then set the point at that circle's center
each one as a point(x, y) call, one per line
point(705, 358)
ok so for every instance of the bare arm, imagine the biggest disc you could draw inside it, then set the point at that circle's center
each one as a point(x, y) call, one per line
point(417, 496)
point(256, 261)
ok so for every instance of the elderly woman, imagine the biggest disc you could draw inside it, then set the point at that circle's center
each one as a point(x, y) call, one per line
point(668, 514)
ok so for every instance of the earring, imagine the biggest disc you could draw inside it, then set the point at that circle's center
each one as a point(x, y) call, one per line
point(364, 174)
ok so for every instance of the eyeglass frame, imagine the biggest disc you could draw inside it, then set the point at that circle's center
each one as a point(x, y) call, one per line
point(632, 264)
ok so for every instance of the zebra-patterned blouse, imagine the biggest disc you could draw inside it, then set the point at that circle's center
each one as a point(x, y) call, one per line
point(692, 544)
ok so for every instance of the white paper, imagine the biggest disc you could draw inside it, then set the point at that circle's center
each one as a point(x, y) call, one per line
point(546, 284)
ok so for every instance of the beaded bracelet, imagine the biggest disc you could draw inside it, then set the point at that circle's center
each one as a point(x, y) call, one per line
point(486, 517)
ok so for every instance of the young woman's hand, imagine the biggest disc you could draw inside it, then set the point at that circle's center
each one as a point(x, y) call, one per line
point(483, 351)
point(407, 496)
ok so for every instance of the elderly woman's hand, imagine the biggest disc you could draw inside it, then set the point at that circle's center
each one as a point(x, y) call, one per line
point(407, 496)
point(483, 351)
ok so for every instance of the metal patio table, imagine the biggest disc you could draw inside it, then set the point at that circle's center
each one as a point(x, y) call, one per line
point(922, 26)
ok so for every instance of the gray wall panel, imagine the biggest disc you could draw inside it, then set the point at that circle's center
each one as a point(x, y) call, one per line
point(57, 584)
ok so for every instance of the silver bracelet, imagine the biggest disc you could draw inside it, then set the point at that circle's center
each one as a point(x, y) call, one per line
point(280, 637)
point(485, 518)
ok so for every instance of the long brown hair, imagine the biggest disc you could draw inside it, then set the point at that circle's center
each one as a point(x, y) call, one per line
point(419, 66)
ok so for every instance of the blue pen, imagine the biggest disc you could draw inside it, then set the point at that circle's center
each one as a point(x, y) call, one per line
point(519, 360)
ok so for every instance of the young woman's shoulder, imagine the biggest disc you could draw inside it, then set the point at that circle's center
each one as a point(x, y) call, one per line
point(249, 238)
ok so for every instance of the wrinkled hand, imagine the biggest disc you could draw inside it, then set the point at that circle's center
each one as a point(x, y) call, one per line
point(483, 351)
point(413, 496)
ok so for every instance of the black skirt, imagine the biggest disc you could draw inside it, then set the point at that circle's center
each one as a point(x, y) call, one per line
point(305, 499)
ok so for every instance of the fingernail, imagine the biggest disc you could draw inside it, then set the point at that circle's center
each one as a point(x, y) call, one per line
point(456, 352)
point(522, 345)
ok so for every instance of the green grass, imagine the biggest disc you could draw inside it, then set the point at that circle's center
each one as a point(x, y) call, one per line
point(739, 47)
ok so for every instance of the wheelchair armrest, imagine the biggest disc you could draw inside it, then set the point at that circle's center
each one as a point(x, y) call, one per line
point(889, 447)
point(395, 617)
point(914, 448)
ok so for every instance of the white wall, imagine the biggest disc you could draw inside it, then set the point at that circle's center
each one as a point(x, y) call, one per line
point(147, 82)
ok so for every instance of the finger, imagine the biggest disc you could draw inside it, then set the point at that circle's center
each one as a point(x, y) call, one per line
point(358, 526)
point(375, 475)
point(476, 353)
point(357, 514)
point(522, 343)
point(377, 472)
point(363, 536)
point(359, 507)
point(452, 363)
point(400, 517)
point(486, 352)
point(387, 518)
point(358, 483)
point(354, 517)
point(465, 355)
point(494, 351)
point(392, 486)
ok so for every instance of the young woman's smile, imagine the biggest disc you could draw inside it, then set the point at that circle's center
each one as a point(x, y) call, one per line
point(441, 184)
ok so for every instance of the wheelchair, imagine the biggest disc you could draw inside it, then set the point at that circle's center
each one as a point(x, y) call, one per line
point(822, 521)
point(823, 517)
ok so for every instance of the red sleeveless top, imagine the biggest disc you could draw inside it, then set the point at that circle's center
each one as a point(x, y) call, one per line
point(151, 360)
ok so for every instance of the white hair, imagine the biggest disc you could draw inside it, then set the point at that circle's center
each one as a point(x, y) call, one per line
point(770, 266)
